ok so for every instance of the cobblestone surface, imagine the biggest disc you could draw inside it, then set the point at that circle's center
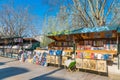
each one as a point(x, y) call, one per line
point(11, 69)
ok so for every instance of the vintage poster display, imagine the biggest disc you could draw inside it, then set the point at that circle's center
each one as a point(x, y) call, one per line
point(86, 64)
point(101, 66)
point(93, 65)
point(48, 59)
point(79, 63)
point(63, 60)
point(57, 60)
point(52, 59)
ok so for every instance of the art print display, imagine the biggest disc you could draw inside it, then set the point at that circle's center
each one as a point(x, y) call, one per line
point(52, 59)
point(79, 63)
point(48, 59)
point(63, 60)
point(57, 60)
point(101, 66)
point(93, 65)
point(86, 64)
point(43, 59)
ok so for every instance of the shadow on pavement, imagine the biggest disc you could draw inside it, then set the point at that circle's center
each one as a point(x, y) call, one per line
point(2, 63)
point(11, 71)
point(47, 77)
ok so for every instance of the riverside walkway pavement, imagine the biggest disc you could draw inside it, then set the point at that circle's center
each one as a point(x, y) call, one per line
point(11, 69)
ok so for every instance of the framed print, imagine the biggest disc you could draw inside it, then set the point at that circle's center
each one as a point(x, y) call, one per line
point(52, 59)
point(56, 60)
point(86, 64)
point(63, 60)
point(93, 65)
point(101, 66)
point(48, 59)
point(79, 63)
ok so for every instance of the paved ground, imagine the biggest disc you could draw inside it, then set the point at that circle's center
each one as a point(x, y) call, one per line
point(11, 69)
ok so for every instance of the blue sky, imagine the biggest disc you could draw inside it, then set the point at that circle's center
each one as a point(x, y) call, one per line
point(39, 8)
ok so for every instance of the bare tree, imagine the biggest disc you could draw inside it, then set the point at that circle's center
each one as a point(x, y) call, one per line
point(90, 13)
point(15, 22)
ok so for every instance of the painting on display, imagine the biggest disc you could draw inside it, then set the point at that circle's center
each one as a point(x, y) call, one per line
point(48, 59)
point(101, 66)
point(56, 60)
point(52, 59)
point(93, 65)
point(86, 64)
point(63, 60)
point(78, 63)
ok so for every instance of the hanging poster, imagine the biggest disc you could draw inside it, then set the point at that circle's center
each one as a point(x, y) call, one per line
point(86, 64)
point(78, 63)
point(52, 59)
point(63, 60)
point(101, 66)
point(93, 65)
point(48, 59)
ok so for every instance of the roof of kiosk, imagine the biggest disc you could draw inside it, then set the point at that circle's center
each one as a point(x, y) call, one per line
point(86, 30)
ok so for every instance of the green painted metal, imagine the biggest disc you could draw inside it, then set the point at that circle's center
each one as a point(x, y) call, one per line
point(85, 30)
point(34, 46)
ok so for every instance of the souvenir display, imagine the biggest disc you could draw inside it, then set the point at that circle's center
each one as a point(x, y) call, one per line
point(79, 63)
point(43, 60)
point(101, 66)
